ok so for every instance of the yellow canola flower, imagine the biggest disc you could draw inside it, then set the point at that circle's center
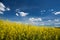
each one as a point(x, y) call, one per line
point(15, 31)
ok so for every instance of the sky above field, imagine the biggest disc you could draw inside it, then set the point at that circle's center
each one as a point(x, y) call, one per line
point(37, 12)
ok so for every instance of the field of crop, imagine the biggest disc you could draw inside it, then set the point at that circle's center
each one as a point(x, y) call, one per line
point(16, 31)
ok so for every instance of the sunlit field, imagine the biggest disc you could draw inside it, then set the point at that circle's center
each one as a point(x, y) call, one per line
point(19, 31)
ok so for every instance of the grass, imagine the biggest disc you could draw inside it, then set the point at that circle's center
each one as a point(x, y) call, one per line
point(15, 31)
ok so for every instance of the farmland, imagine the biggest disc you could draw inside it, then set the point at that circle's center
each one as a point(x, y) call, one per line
point(19, 31)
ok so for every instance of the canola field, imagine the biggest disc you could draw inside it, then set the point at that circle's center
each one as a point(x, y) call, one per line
point(19, 31)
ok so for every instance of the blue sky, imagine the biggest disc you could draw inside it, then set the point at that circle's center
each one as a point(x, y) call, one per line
point(37, 12)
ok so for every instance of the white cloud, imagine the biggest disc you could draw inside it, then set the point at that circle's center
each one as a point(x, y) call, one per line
point(49, 20)
point(8, 9)
point(56, 13)
point(3, 8)
point(2, 5)
point(17, 14)
point(35, 19)
point(23, 14)
point(56, 20)
point(57, 23)
point(38, 21)
point(51, 10)
point(43, 11)
point(1, 12)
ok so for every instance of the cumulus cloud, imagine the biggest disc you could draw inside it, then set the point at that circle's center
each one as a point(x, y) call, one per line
point(49, 20)
point(1, 12)
point(39, 21)
point(57, 24)
point(7, 8)
point(35, 21)
point(51, 10)
point(57, 13)
point(56, 20)
point(17, 14)
point(43, 11)
point(23, 14)
point(3, 8)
